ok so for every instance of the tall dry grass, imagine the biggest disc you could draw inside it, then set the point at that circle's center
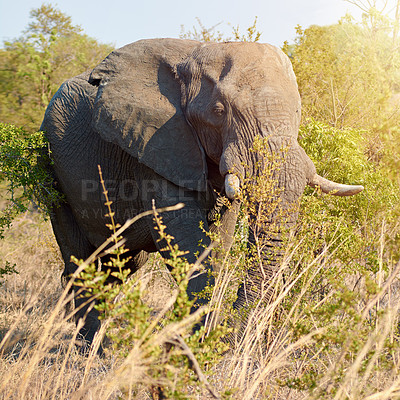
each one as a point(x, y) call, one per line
point(39, 359)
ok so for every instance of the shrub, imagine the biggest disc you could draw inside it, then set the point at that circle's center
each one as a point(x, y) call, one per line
point(340, 269)
point(173, 356)
point(23, 165)
point(342, 155)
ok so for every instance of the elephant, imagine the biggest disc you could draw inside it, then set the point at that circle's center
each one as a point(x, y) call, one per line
point(171, 120)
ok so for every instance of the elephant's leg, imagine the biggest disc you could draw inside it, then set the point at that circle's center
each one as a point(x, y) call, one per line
point(184, 226)
point(73, 242)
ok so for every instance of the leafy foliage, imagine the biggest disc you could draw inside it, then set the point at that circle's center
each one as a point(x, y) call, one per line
point(344, 251)
point(8, 269)
point(33, 66)
point(131, 324)
point(23, 160)
point(331, 320)
point(347, 72)
point(341, 155)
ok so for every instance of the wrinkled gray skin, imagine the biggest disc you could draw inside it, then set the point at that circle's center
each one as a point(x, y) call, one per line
point(167, 120)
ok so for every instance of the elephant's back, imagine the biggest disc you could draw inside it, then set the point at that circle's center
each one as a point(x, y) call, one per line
point(70, 109)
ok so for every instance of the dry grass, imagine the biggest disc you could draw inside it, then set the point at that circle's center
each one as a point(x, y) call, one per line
point(39, 359)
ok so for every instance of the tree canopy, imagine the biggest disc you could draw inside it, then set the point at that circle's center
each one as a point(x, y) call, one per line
point(33, 66)
point(347, 72)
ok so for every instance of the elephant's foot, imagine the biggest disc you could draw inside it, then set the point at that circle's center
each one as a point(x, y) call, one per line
point(85, 339)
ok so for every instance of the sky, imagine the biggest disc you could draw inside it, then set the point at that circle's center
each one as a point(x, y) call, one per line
point(119, 22)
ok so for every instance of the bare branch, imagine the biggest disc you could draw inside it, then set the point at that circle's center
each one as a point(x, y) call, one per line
point(178, 341)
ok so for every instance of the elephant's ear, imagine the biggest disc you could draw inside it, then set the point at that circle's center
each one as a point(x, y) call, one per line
point(138, 107)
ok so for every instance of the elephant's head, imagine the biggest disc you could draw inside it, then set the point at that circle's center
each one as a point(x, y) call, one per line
point(235, 92)
point(170, 103)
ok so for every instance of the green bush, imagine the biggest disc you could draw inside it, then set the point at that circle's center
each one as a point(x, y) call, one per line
point(342, 155)
point(7, 270)
point(23, 166)
point(339, 259)
point(173, 355)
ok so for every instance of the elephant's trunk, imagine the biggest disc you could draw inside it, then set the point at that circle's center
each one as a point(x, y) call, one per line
point(259, 282)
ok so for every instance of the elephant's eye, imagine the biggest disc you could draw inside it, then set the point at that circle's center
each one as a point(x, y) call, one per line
point(219, 109)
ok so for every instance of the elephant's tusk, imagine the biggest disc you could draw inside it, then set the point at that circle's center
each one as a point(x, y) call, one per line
point(232, 186)
point(336, 189)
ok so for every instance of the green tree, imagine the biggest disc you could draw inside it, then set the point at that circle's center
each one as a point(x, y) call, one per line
point(347, 72)
point(33, 66)
point(48, 22)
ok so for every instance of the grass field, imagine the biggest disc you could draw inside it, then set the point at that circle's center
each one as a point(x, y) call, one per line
point(39, 359)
